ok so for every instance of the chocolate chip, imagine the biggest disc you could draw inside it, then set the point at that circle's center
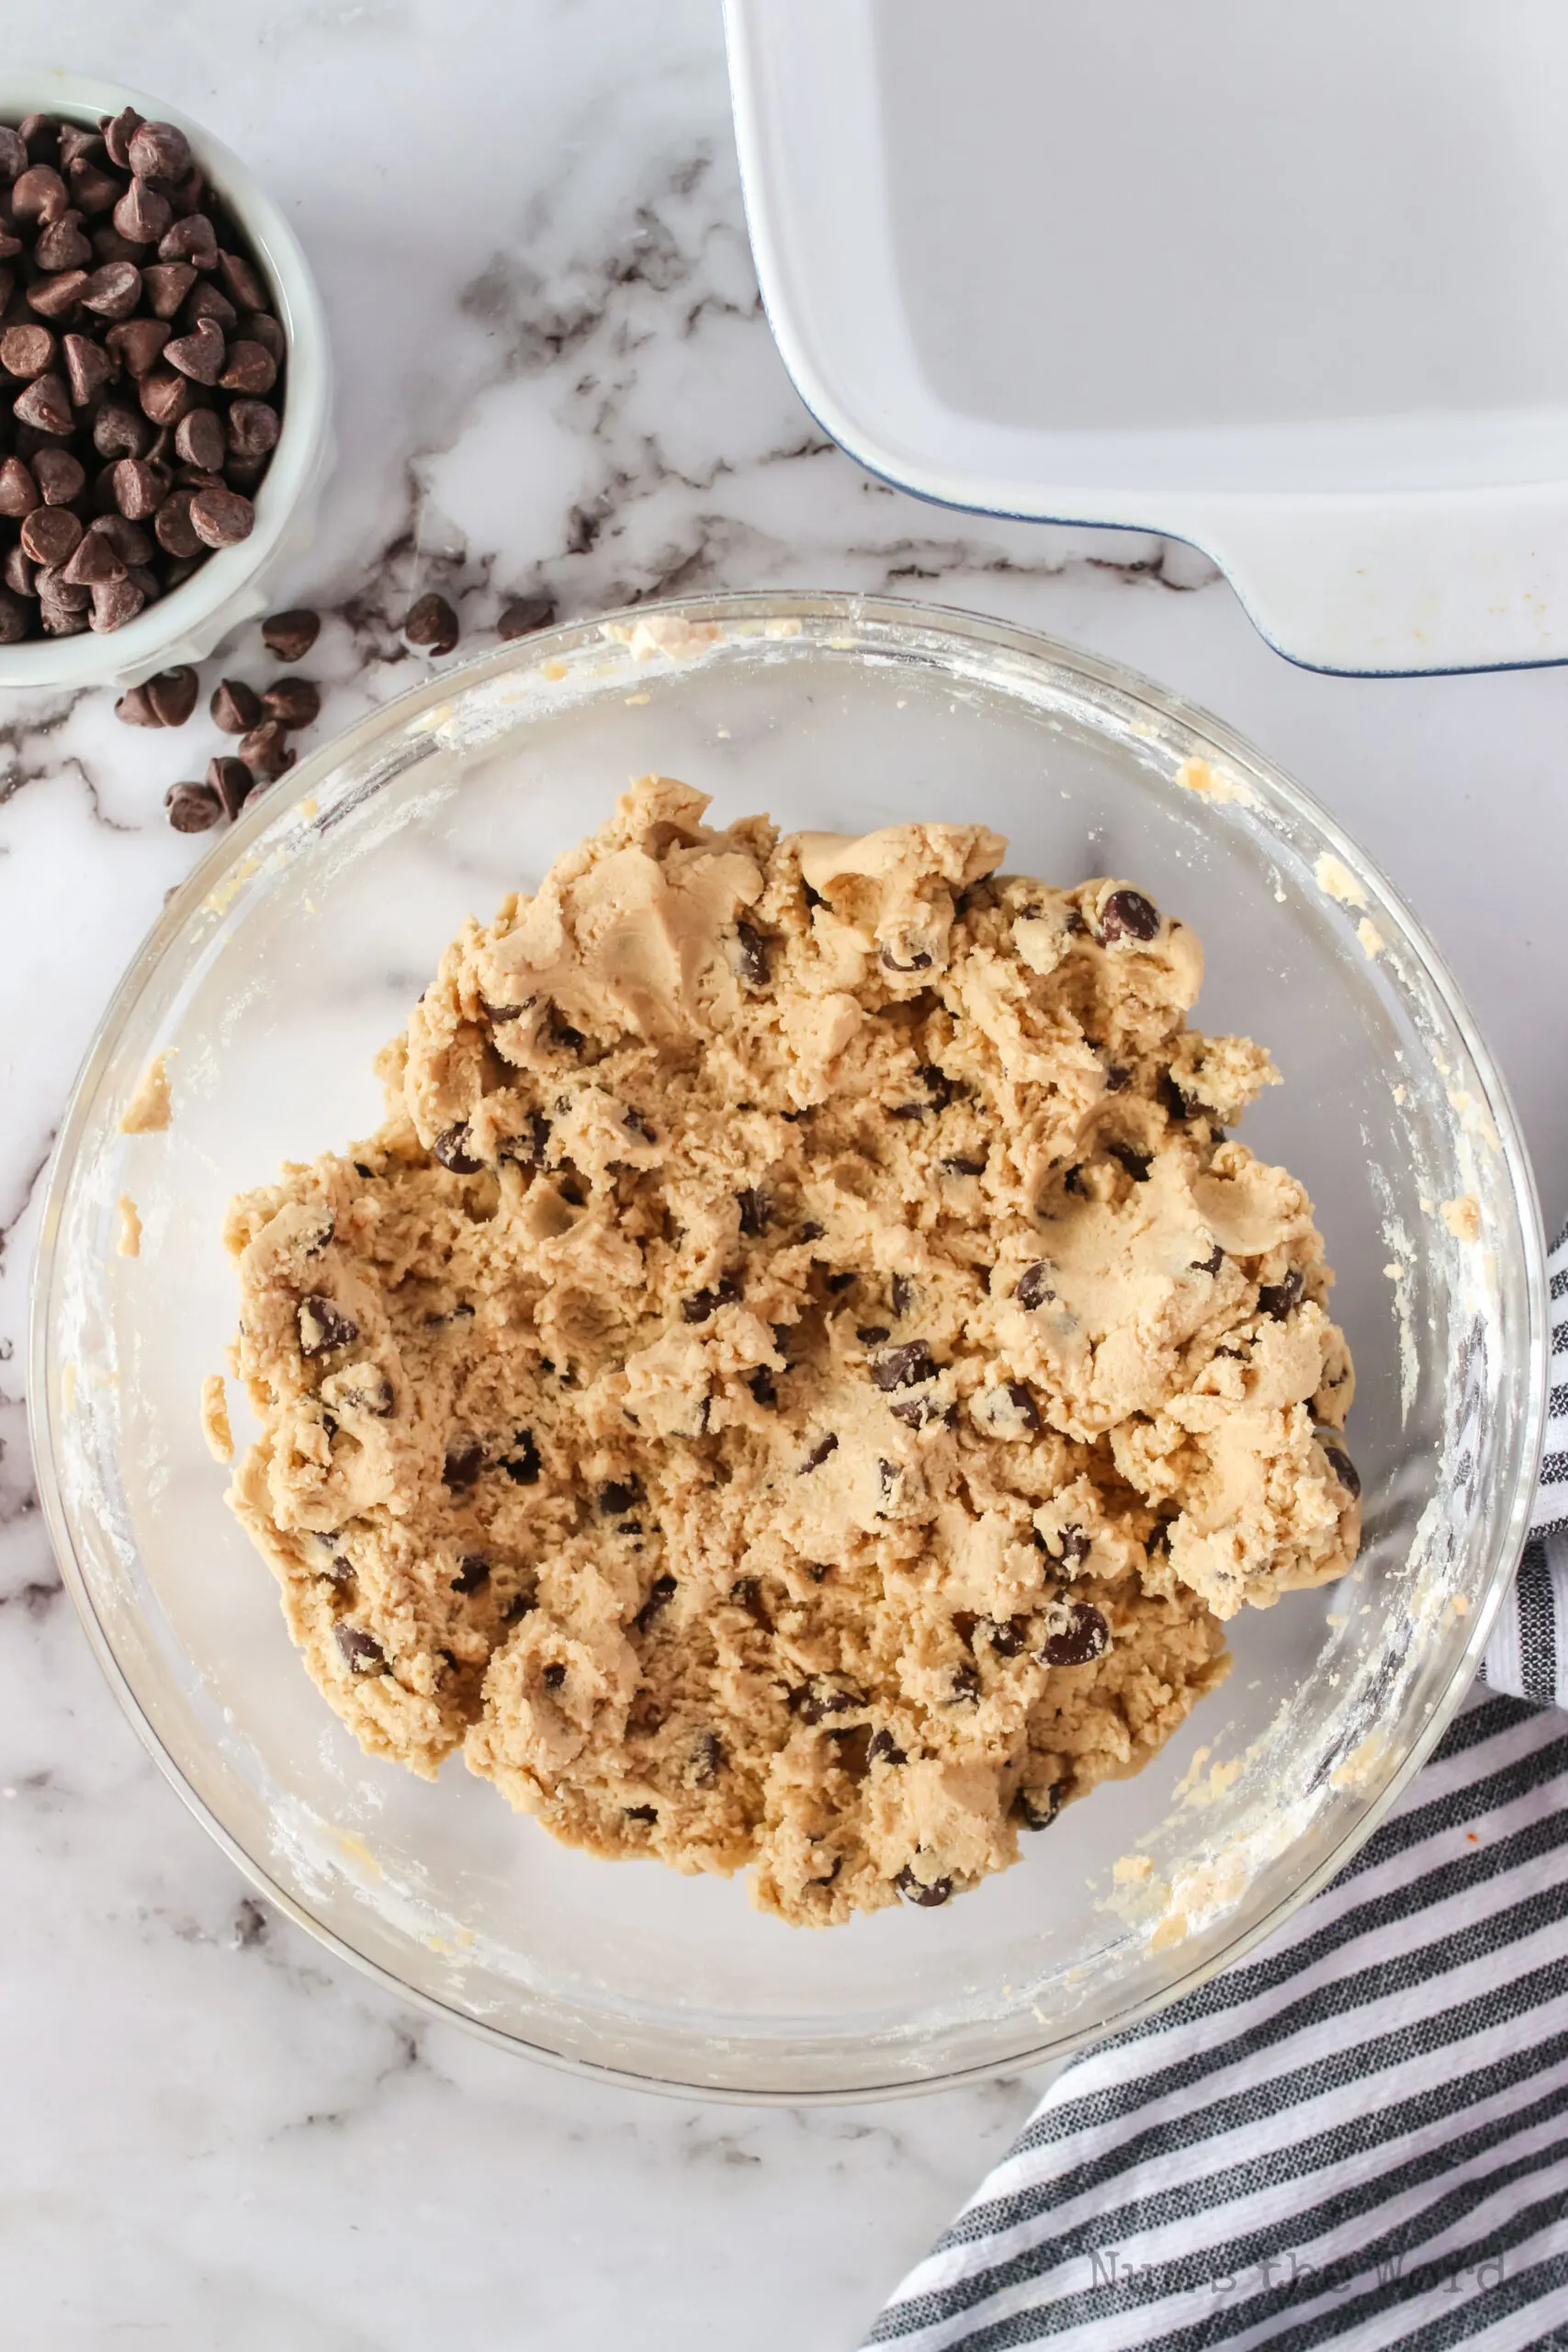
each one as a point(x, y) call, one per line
point(563, 1035)
point(233, 782)
point(1278, 1298)
point(524, 615)
point(755, 1209)
point(1339, 1461)
point(39, 194)
point(170, 696)
point(199, 438)
point(291, 634)
point(430, 622)
point(851, 1753)
point(871, 1335)
point(19, 491)
point(465, 1458)
point(641, 1813)
point(662, 1593)
point(14, 618)
point(1157, 1545)
point(115, 602)
point(818, 1698)
point(518, 1606)
point(956, 1166)
point(1136, 1163)
point(360, 1651)
point(1116, 1078)
point(764, 1386)
point(888, 1474)
point(522, 1464)
point(1008, 1636)
point(884, 1749)
point(1023, 1404)
point(265, 750)
point(62, 245)
point(819, 1453)
point(918, 962)
point(965, 1686)
point(51, 535)
point(192, 808)
point(46, 404)
point(28, 351)
point(553, 1677)
point(920, 1411)
point(165, 285)
point(903, 1297)
point(1034, 1288)
point(840, 1282)
point(1127, 914)
point(1038, 1808)
point(451, 1149)
point(174, 529)
point(752, 961)
point(323, 1324)
point(616, 1497)
point(929, 1895)
point(58, 475)
point(708, 1757)
point(297, 702)
point(811, 1230)
point(1172, 1100)
point(473, 1572)
point(221, 518)
point(1211, 1264)
point(252, 428)
point(139, 488)
point(199, 355)
point(243, 281)
point(235, 708)
point(165, 397)
point(904, 1367)
point(55, 297)
point(1086, 1637)
point(158, 151)
point(191, 239)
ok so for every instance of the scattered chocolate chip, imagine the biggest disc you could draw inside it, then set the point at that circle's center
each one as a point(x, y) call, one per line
point(524, 615)
point(233, 782)
point(763, 1387)
point(1086, 1635)
point(888, 1474)
point(819, 1452)
point(1211, 1264)
point(752, 961)
point(918, 962)
point(903, 1297)
point(616, 1497)
point(170, 697)
point(871, 1335)
point(473, 1572)
point(1136, 1163)
point(1127, 914)
point(265, 751)
point(811, 1230)
point(360, 1651)
point(1339, 1461)
point(1038, 1808)
point(851, 1753)
point(957, 1166)
point(841, 1282)
point(1157, 1545)
point(660, 1595)
point(1008, 1636)
point(192, 808)
point(291, 634)
point(965, 1686)
point(884, 1749)
point(904, 1367)
point(708, 1757)
point(465, 1458)
point(563, 1035)
point(821, 1697)
point(1278, 1298)
point(1023, 1406)
point(641, 1813)
point(234, 708)
point(323, 1324)
point(522, 1465)
point(929, 1895)
point(1073, 1182)
point(634, 1123)
point(920, 1411)
point(1117, 1079)
point(518, 1606)
point(553, 1677)
point(1172, 1100)
point(755, 1209)
point(431, 623)
point(451, 1149)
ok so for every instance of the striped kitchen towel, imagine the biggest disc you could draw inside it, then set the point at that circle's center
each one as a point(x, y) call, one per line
point(1358, 2138)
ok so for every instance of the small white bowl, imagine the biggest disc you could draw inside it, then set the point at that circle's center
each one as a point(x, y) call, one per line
point(233, 584)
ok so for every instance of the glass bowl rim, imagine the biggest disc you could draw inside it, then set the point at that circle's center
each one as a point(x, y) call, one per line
point(227, 857)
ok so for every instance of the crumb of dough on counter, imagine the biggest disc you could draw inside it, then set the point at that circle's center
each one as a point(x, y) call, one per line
point(129, 1242)
point(1371, 939)
point(803, 1373)
point(1462, 1217)
point(215, 1418)
point(1336, 879)
point(149, 1109)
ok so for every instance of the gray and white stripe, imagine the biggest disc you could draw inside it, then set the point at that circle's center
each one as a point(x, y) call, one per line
point(1527, 1653)
point(1359, 2137)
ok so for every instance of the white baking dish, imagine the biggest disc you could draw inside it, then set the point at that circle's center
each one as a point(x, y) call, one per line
point(1291, 286)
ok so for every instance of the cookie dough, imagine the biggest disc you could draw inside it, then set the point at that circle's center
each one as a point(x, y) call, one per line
point(801, 1373)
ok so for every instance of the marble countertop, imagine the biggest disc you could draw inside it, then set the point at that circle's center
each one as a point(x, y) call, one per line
point(555, 373)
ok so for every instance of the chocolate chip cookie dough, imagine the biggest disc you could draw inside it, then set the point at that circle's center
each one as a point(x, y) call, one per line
point(801, 1373)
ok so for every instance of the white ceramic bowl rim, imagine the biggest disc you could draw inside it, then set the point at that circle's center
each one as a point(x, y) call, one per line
point(196, 608)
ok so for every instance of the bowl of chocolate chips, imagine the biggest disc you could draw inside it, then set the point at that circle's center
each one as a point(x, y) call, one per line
point(165, 387)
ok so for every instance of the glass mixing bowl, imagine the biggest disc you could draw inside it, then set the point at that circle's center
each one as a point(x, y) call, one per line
point(296, 947)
